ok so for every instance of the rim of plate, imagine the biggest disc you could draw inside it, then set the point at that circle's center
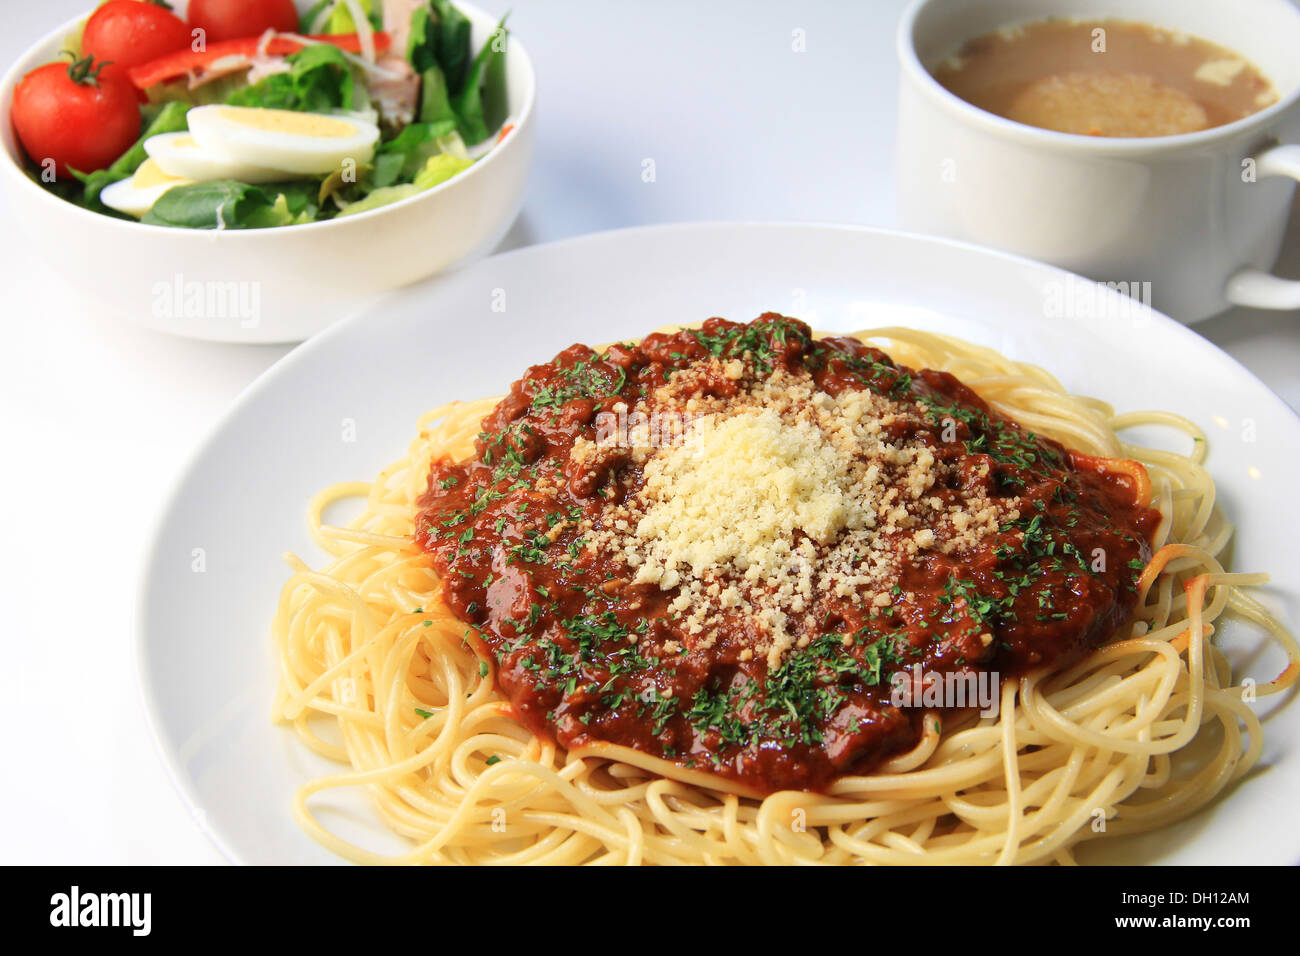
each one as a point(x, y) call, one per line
point(163, 747)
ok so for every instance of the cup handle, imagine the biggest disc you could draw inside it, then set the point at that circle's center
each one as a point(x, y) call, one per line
point(1254, 287)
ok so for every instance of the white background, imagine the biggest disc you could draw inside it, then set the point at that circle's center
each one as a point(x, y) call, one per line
point(99, 417)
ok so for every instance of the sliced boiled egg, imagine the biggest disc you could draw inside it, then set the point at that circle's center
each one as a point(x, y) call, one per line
point(178, 154)
point(136, 196)
point(304, 144)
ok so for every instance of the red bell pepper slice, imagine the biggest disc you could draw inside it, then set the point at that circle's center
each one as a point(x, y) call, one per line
point(182, 62)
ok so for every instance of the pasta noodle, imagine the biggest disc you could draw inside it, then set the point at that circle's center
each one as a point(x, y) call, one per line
point(1145, 731)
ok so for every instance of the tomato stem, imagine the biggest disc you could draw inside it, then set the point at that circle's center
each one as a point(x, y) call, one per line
point(85, 72)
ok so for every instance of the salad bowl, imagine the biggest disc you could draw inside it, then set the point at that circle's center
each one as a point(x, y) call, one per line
point(272, 285)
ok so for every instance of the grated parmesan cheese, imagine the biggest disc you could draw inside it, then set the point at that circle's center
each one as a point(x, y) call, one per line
point(779, 493)
point(738, 489)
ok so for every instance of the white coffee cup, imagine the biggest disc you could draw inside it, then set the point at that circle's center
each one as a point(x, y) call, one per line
point(1199, 216)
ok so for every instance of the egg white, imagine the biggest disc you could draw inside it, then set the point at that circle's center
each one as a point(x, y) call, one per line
point(303, 144)
point(179, 154)
point(137, 195)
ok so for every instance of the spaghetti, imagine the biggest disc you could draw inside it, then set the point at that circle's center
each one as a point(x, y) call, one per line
point(1113, 743)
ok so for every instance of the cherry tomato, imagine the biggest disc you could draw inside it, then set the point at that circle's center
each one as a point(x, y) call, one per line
point(77, 114)
point(236, 19)
point(127, 33)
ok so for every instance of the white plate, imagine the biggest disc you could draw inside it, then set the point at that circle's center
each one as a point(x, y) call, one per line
point(206, 663)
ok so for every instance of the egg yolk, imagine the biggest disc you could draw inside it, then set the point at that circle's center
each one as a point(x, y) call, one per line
point(289, 122)
point(149, 174)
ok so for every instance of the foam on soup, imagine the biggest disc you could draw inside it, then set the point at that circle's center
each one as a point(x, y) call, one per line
point(1105, 78)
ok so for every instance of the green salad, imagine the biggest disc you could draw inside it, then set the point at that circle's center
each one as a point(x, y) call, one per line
point(357, 106)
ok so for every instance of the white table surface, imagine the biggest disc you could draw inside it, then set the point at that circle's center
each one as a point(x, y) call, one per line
point(98, 418)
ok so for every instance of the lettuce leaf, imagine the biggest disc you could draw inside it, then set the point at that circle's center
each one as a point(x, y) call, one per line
point(450, 43)
point(439, 169)
point(452, 85)
point(339, 19)
point(481, 104)
point(384, 196)
point(319, 80)
point(415, 145)
point(228, 204)
point(436, 171)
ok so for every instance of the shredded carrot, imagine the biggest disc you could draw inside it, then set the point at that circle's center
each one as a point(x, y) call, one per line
point(1134, 470)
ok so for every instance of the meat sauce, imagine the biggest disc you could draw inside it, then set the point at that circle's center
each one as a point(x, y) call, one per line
point(580, 650)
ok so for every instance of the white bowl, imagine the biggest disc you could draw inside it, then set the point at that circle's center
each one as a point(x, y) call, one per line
point(272, 285)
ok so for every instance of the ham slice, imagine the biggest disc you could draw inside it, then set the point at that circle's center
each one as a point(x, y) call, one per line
point(397, 21)
point(395, 91)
